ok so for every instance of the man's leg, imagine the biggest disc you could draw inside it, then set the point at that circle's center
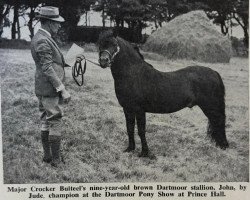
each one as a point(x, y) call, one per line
point(54, 120)
point(45, 134)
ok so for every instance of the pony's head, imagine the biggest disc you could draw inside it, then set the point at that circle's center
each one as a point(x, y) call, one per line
point(108, 48)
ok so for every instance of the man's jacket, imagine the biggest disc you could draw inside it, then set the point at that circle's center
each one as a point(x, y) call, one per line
point(49, 64)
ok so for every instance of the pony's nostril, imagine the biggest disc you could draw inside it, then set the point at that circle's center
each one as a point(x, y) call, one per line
point(104, 59)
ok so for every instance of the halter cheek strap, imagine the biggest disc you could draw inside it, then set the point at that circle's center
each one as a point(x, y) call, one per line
point(117, 51)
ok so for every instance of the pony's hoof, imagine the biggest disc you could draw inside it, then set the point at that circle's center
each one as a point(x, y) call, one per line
point(47, 160)
point(144, 154)
point(152, 156)
point(148, 155)
point(223, 146)
point(129, 149)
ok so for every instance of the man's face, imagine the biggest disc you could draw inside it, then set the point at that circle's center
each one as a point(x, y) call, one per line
point(54, 26)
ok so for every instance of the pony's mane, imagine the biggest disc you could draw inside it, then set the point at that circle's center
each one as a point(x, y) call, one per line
point(138, 51)
point(109, 36)
point(131, 46)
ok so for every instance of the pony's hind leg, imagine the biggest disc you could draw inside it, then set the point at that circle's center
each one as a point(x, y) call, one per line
point(216, 125)
point(141, 124)
point(130, 123)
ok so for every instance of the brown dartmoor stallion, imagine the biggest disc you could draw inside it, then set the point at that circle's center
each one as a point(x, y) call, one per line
point(140, 88)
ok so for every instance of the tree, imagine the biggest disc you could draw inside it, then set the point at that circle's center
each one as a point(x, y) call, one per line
point(15, 27)
point(131, 12)
point(4, 11)
point(102, 6)
point(223, 11)
point(220, 12)
point(241, 15)
point(85, 6)
point(31, 6)
point(71, 11)
point(165, 10)
point(157, 11)
point(19, 9)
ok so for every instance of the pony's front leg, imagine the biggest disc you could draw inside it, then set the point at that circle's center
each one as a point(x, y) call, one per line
point(141, 124)
point(130, 123)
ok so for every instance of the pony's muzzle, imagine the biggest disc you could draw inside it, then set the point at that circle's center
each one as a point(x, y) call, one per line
point(104, 62)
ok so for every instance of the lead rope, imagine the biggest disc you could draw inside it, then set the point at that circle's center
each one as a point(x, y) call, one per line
point(78, 71)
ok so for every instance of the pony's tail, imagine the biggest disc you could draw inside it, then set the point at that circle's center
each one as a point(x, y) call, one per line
point(217, 118)
point(215, 112)
point(222, 85)
point(221, 94)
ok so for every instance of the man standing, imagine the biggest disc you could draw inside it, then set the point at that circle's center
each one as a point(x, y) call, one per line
point(49, 87)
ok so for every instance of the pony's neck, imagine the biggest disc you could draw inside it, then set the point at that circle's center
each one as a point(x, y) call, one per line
point(127, 57)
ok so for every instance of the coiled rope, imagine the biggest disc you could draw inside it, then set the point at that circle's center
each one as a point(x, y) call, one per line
point(79, 71)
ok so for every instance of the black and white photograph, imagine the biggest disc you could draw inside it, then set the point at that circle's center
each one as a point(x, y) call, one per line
point(125, 92)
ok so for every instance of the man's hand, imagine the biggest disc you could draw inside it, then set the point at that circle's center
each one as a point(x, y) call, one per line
point(66, 96)
point(79, 57)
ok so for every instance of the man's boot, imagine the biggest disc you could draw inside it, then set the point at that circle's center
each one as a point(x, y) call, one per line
point(46, 147)
point(55, 143)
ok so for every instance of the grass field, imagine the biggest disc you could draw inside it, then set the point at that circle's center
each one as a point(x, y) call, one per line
point(95, 133)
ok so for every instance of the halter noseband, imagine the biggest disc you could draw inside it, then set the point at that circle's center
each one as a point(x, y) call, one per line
point(111, 57)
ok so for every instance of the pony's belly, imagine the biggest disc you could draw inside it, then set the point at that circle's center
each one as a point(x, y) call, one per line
point(151, 106)
point(162, 110)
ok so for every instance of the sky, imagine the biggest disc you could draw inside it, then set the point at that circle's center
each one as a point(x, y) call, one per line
point(94, 19)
